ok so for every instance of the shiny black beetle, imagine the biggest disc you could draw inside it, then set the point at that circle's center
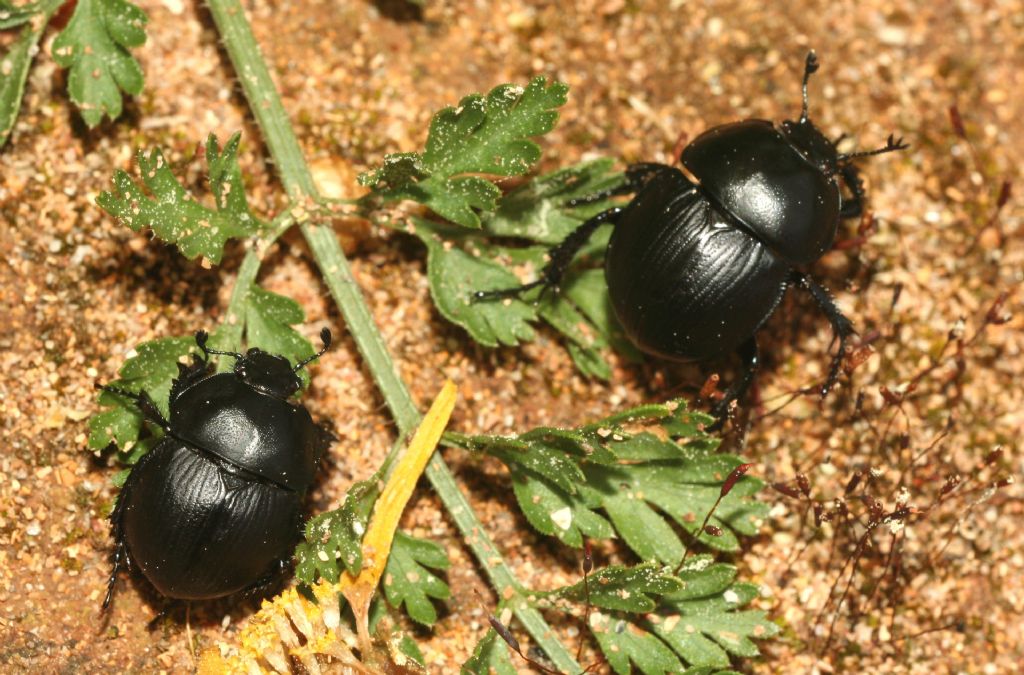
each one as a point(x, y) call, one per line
point(216, 506)
point(695, 269)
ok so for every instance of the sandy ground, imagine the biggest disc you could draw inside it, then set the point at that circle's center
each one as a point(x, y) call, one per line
point(77, 292)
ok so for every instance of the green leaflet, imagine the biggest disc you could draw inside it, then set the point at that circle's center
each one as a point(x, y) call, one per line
point(15, 63)
point(12, 16)
point(483, 136)
point(95, 47)
point(454, 272)
point(488, 136)
point(647, 617)
point(461, 262)
point(151, 368)
point(634, 589)
point(174, 215)
point(491, 657)
point(337, 536)
point(539, 210)
point(637, 486)
point(408, 581)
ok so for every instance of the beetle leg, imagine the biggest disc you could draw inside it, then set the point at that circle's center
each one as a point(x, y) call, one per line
point(637, 176)
point(559, 258)
point(748, 352)
point(120, 550)
point(853, 207)
point(143, 402)
point(841, 326)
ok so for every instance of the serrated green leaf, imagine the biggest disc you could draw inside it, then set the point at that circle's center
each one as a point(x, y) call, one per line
point(646, 485)
point(456, 268)
point(490, 135)
point(645, 614)
point(555, 512)
point(15, 63)
point(705, 631)
point(628, 589)
point(337, 536)
point(95, 46)
point(586, 344)
point(622, 642)
point(407, 580)
point(174, 215)
point(460, 263)
point(540, 211)
point(491, 657)
point(12, 16)
point(151, 368)
point(551, 464)
point(408, 647)
point(268, 325)
point(484, 136)
point(453, 275)
point(683, 490)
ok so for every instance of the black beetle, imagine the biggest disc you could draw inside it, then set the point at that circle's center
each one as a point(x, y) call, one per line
point(216, 506)
point(695, 268)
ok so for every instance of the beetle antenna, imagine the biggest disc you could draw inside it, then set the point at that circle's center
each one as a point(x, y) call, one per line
point(810, 66)
point(325, 338)
point(892, 144)
point(202, 336)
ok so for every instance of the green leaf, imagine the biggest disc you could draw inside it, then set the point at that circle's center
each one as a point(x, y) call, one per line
point(12, 16)
point(151, 368)
point(556, 512)
point(15, 63)
point(337, 536)
point(484, 136)
point(639, 495)
point(706, 630)
point(623, 641)
point(489, 137)
point(269, 318)
point(95, 46)
point(491, 657)
point(458, 266)
point(408, 648)
point(635, 485)
point(174, 215)
point(455, 273)
point(461, 262)
point(407, 580)
point(628, 589)
point(540, 211)
point(655, 620)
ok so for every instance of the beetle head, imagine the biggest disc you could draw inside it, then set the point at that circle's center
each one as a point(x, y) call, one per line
point(813, 145)
point(805, 136)
point(268, 373)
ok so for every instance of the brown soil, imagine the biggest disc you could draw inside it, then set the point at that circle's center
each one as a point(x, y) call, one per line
point(77, 291)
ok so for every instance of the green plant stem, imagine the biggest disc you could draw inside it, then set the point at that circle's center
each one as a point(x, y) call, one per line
point(269, 112)
point(266, 106)
point(231, 326)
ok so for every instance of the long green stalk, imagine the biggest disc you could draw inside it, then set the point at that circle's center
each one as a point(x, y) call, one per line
point(269, 112)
